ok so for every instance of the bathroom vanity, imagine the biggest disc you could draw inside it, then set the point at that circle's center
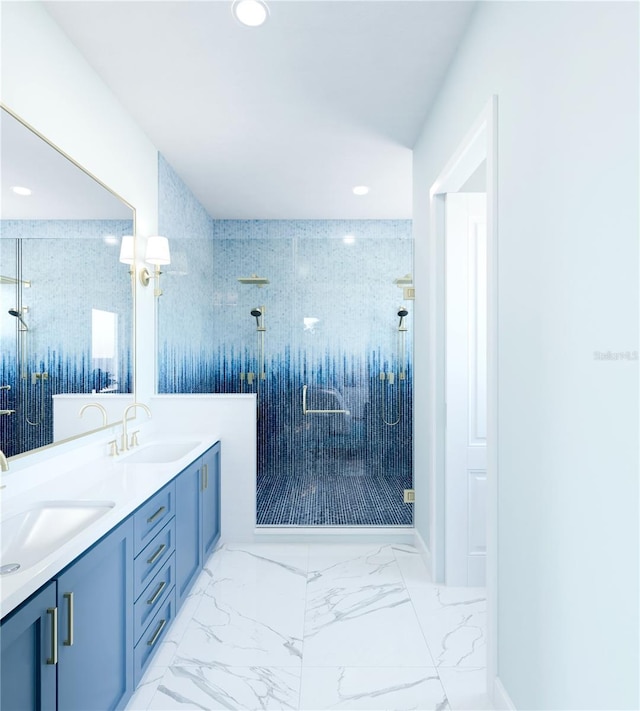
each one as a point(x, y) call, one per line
point(81, 625)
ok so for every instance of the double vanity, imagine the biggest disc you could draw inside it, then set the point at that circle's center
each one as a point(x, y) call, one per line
point(97, 557)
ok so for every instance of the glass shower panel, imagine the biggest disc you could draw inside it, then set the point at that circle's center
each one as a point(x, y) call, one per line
point(305, 315)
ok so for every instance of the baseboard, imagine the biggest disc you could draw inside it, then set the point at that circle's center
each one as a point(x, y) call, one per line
point(501, 700)
point(418, 542)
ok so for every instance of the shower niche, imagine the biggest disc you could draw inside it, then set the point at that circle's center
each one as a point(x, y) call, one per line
point(66, 301)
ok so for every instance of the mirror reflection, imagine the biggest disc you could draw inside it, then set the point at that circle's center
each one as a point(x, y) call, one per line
point(66, 301)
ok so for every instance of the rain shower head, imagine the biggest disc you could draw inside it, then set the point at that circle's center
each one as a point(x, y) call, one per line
point(402, 312)
point(18, 315)
point(255, 280)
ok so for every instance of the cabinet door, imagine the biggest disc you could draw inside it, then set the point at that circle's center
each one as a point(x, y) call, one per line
point(211, 499)
point(95, 636)
point(28, 671)
point(188, 528)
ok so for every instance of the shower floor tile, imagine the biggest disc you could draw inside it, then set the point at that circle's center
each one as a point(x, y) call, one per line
point(321, 499)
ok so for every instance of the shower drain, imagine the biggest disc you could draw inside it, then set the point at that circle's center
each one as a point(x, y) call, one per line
point(9, 568)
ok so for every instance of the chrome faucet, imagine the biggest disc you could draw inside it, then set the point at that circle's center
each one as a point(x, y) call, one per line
point(4, 464)
point(100, 407)
point(124, 442)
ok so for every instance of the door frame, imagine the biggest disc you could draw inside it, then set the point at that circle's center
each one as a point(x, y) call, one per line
point(480, 143)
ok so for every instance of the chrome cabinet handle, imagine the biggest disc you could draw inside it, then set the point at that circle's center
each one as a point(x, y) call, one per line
point(317, 412)
point(156, 594)
point(205, 469)
point(69, 598)
point(156, 634)
point(53, 611)
point(157, 554)
point(152, 518)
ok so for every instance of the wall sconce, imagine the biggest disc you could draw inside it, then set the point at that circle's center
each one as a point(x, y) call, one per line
point(157, 254)
point(128, 252)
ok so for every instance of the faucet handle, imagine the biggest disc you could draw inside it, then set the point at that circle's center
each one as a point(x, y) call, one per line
point(113, 451)
point(134, 439)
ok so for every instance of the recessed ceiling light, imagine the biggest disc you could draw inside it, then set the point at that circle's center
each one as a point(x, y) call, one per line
point(252, 13)
point(348, 239)
point(361, 190)
point(21, 191)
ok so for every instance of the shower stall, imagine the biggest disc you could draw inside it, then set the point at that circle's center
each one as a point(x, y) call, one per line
point(315, 318)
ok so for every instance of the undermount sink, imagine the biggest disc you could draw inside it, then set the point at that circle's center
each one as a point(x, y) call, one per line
point(159, 453)
point(31, 535)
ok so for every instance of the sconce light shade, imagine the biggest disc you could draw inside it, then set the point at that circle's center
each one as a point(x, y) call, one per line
point(157, 250)
point(127, 250)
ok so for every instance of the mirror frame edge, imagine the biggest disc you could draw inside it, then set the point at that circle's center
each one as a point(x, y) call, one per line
point(134, 288)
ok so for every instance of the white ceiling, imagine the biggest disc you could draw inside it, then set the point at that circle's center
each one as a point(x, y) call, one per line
point(60, 189)
point(281, 121)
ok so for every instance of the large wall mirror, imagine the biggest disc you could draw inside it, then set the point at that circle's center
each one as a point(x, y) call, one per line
point(66, 299)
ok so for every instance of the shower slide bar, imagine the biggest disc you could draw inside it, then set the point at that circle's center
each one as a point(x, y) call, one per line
point(318, 412)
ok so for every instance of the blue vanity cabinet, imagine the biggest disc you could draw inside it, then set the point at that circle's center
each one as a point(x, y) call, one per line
point(95, 626)
point(28, 670)
point(211, 499)
point(197, 518)
point(189, 487)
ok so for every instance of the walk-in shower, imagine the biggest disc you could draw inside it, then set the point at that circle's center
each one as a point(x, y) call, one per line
point(325, 457)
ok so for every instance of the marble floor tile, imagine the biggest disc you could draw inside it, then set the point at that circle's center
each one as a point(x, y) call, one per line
point(223, 687)
point(261, 564)
point(246, 625)
point(466, 688)
point(454, 622)
point(146, 688)
point(372, 689)
point(373, 625)
point(414, 571)
point(331, 565)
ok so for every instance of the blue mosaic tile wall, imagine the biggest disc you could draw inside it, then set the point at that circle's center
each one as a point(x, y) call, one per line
point(72, 270)
point(330, 314)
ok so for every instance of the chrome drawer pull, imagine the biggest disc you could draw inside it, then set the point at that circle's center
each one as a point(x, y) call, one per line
point(156, 594)
point(156, 555)
point(151, 519)
point(53, 611)
point(156, 634)
point(69, 641)
point(205, 467)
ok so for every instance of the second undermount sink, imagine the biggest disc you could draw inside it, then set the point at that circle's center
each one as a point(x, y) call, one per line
point(32, 534)
point(159, 453)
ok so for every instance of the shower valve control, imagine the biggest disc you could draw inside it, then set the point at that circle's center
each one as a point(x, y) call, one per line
point(39, 376)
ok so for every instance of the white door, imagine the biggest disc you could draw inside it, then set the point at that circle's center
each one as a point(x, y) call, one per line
point(466, 389)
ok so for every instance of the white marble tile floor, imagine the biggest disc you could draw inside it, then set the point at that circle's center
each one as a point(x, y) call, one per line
point(319, 627)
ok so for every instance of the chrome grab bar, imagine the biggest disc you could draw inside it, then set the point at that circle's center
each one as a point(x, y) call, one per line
point(7, 412)
point(318, 412)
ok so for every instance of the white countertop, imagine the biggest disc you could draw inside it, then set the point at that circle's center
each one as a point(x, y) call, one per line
point(86, 474)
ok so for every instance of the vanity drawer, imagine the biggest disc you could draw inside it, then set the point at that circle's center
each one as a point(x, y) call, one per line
point(153, 596)
point(152, 516)
point(153, 635)
point(153, 556)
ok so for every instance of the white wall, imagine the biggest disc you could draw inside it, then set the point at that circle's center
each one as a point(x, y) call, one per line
point(47, 82)
point(566, 76)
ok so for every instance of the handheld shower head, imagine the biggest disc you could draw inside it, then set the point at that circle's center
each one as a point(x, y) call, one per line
point(257, 314)
point(402, 312)
point(18, 315)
